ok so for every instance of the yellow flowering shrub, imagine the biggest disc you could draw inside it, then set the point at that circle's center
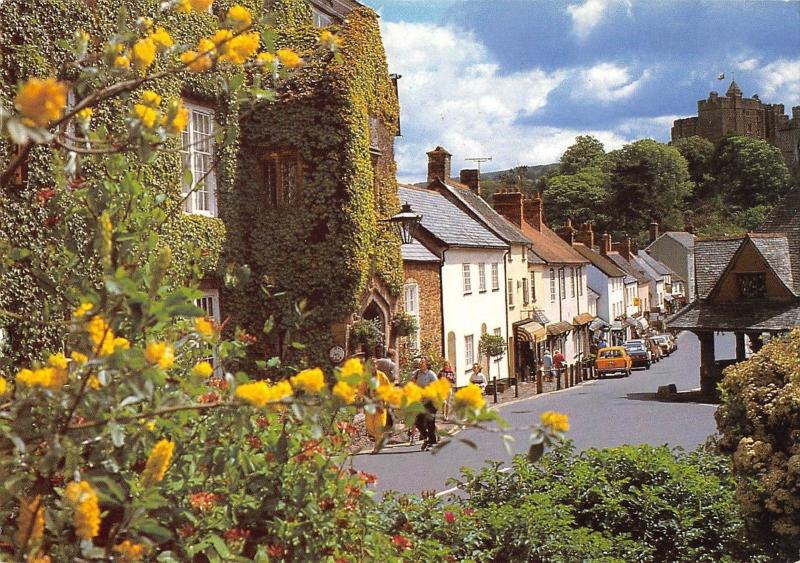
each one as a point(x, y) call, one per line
point(85, 503)
point(289, 58)
point(157, 463)
point(261, 393)
point(30, 522)
point(202, 370)
point(469, 397)
point(144, 53)
point(161, 354)
point(3, 386)
point(345, 392)
point(309, 380)
point(187, 6)
point(41, 101)
point(161, 38)
point(352, 367)
point(437, 391)
point(555, 421)
point(240, 17)
point(130, 551)
point(204, 327)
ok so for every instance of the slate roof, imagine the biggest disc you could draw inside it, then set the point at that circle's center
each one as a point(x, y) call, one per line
point(675, 275)
point(775, 250)
point(681, 237)
point(416, 252)
point(785, 218)
point(629, 267)
point(755, 315)
point(534, 259)
point(657, 266)
point(711, 257)
point(496, 222)
point(599, 261)
point(444, 220)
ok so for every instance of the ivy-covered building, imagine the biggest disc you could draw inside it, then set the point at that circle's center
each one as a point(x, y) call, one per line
point(295, 192)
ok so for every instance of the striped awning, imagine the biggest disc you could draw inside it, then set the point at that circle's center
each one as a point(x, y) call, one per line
point(532, 330)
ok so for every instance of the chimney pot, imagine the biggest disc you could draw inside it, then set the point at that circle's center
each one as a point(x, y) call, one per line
point(509, 204)
point(439, 164)
point(653, 231)
point(534, 212)
point(472, 179)
point(605, 246)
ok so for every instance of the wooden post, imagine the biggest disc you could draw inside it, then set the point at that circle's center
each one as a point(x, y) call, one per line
point(708, 380)
point(539, 381)
point(558, 380)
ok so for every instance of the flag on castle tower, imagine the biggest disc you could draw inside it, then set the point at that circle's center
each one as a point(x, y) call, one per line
point(721, 76)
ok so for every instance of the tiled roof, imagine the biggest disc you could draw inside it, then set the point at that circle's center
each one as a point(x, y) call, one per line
point(550, 247)
point(785, 218)
point(629, 267)
point(491, 218)
point(760, 315)
point(775, 250)
point(711, 257)
point(558, 328)
point(657, 266)
point(599, 261)
point(446, 221)
point(416, 252)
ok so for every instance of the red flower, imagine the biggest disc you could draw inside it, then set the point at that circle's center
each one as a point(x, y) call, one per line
point(276, 551)
point(52, 221)
point(76, 183)
point(449, 517)
point(262, 421)
point(44, 195)
point(469, 511)
point(186, 530)
point(401, 541)
point(367, 478)
point(219, 382)
point(209, 397)
point(203, 501)
point(255, 442)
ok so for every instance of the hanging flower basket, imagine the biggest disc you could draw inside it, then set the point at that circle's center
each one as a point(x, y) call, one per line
point(404, 324)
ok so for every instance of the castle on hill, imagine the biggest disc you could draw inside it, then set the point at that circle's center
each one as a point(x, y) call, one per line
point(733, 114)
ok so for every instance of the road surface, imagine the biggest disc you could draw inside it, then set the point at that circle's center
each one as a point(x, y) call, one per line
point(602, 413)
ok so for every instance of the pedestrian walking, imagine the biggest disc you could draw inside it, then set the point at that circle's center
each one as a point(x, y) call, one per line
point(559, 362)
point(448, 373)
point(477, 377)
point(426, 421)
point(387, 365)
point(547, 366)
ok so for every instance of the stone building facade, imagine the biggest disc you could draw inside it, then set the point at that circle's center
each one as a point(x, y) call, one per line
point(732, 114)
point(422, 299)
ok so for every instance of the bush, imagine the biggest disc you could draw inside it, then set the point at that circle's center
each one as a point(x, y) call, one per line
point(759, 423)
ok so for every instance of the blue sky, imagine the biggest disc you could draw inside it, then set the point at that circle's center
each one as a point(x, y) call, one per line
point(517, 80)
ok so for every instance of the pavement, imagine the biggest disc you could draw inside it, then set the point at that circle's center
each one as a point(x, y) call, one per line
point(602, 413)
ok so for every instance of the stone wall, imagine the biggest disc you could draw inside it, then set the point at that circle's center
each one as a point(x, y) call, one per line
point(427, 276)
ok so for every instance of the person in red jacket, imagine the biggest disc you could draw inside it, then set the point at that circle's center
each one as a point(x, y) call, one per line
point(559, 361)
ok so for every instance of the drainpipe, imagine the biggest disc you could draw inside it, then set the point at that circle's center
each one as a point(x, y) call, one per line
point(516, 383)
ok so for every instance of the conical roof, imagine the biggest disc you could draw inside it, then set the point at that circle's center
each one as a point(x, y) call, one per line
point(733, 89)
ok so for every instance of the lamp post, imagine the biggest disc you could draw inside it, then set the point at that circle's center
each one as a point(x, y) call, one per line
point(405, 223)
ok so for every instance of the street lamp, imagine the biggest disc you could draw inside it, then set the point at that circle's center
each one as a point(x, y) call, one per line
point(405, 223)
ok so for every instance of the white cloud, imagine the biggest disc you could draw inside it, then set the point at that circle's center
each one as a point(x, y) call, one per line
point(747, 64)
point(587, 16)
point(780, 81)
point(454, 94)
point(608, 82)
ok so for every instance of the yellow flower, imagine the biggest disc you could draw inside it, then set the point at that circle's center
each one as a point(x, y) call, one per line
point(240, 17)
point(240, 48)
point(84, 115)
point(82, 310)
point(344, 392)
point(144, 53)
point(353, 366)
point(38, 557)
point(186, 6)
point(146, 114)
point(412, 393)
point(204, 326)
point(101, 335)
point(309, 380)
point(329, 39)
point(160, 353)
point(150, 98)
point(179, 120)
point(390, 394)
point(437, 391)
point(83, 499)
point(30, 522)
point(130, 551)
point(79, 358)
point(469, 397)
point(289, 58)
point(260, 393)
point(122, 62)
point(121, 343)
point(48, 378)
point(202, 370)
point(555, 421)
point(265, 59)
point(221, 39)
point(58, 361)
point(194, 61)
point(157, 462)
point(161, 38)
point(3, 386)
point(41, 101)
point(94, 382)
point(281, 390)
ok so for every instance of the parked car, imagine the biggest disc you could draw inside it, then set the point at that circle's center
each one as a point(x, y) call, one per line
point(640, 355)
point(655, 350)
point(614, 359)
point(664, 343)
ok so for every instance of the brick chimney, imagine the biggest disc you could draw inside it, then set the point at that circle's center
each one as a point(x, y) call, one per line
point(471, 178)
point(439, 164)
point(653, 231)
point(509, 205)
point(626, 248)
point(567, 232)
point(585, 235)
point(533, 211)
point(605, 244)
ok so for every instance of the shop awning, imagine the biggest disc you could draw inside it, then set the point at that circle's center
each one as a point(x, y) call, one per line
point(533, 330)
point(617, 325)
point(582, 319)
point(643, 324)
point(668, 297)
point(598, 324)
point(558, 328)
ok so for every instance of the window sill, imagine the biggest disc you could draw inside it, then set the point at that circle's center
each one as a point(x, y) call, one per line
point(467, 293)
point(202, 214)
point(496, 289)
point(481, 291)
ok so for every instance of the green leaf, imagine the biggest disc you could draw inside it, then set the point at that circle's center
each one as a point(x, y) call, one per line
point(535, 452)
point(221, 547)
point(117, 433)
point(154, 529)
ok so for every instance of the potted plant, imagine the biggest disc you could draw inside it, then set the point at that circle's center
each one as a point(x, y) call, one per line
point(492, 346)
point(366, 333)
point(404, 324)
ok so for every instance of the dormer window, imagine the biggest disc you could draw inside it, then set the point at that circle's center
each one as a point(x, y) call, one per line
point(752, 285)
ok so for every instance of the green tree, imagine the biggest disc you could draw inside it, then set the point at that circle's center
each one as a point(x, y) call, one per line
point(582, 197)
point(749, 172)
point(699, 153)
point(649, 181)
point(586, 151)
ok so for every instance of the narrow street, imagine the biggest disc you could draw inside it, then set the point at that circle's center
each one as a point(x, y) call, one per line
point(602, 413)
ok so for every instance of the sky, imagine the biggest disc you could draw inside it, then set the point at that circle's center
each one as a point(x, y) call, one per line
point(518, 80)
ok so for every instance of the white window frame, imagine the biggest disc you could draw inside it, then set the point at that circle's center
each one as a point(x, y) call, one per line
point(562, 283)
point(190, 153)
point(510, 291)
point(481, 277)
point(495, 276)
point(466, 275)
point(526, 294)
point(321, 19)
point(469, 350)
point(552, 285)
point(411, 303)
point(572, 282)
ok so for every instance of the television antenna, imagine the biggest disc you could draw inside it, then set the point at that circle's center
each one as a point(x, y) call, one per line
point(478, 160)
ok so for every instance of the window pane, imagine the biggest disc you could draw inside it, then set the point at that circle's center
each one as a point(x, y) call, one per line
point(289, 180)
